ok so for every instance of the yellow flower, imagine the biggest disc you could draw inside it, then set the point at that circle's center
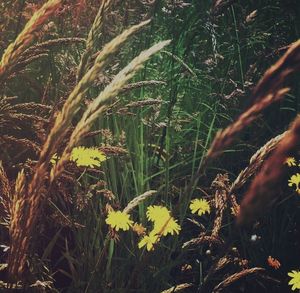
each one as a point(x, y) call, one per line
point(295, 180)
point(295, 281)
point(157, 213)
point(200, 206)
point(88, 157)
point(149, 241)
point(166, 226)
point(118, 220)
point(163, 222)
point(290, 161)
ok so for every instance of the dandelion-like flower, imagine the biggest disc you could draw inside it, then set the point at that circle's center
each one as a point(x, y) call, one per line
point(119, 220)
point(87, 157)
point(290, 161)
point(295, 281)
point(164, 223)
point(200, 206)
point(157, 213)
point(166, 226)
point(149, 241)
point(295, 180)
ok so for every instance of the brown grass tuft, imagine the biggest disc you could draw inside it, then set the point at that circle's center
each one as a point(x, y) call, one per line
point(97, 107)
point(92, 37)
point(269, 90)
point(237, 276)
point(5, 195)
point(255, 163)
point(221, 186)
point(26, 37)
point(178, 288)
point(32, 200)
point(204, 239)
point(265, 186)
point(19, 241)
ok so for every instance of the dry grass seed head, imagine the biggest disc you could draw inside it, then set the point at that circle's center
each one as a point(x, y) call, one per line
point(237, 276)
point(269, 90)
point(5, 195)
point(255, 163)
point(264, 188)
point(137, 200)
point(25, 38)
point(97, 107)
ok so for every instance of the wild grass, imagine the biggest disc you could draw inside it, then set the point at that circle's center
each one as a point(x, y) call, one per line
point(153, 108)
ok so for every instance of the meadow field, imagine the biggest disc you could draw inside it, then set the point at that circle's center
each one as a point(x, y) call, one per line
point(150, 146)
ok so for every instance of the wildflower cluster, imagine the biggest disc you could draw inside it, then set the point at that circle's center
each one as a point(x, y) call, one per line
point(163, 224)
point(294, 180)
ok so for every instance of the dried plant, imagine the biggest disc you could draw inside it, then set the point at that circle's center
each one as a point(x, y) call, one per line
point(26, 37)
point(19, 240)
point(269, 90)
point(45, 46)
point(237, 276)
point(33, 198)
point(220, 5)
point(221, 186)
point(178, 288)
point(72, 104)
point(202, 239)
point(92, 37)
point(264, 188)
point(137, 200)
point(255, 163)
point(26, 144)
point(5, 195)
point(140, 84)
point(98, 105)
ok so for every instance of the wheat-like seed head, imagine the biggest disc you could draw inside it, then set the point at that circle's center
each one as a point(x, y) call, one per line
point(5, 195)
point(25, 38)
point(255, 163)
point(270, 89)
point(177, 288)
point(72, 104)
point(137, 200)
point(92, 37)
point(98, 106)
point(16, 258)
point(237, 276)
point(264, 188)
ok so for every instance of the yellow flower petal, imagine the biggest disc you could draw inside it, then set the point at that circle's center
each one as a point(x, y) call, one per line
point(295, 281)
point(167, 226)
point(295, 180)
point(200, 206)
point(157, 213)
point(290, 161)
point(87, 157)
point(119, 220)
point(148, 241)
